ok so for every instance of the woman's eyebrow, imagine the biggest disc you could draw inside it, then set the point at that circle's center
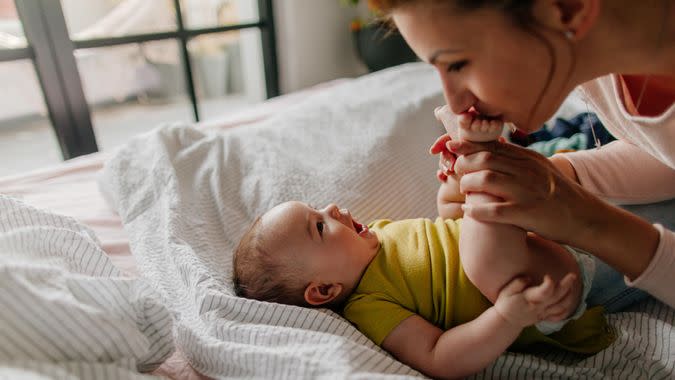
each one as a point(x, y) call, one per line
point(436, 54)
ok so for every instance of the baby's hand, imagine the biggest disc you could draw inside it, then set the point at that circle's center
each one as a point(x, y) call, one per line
point(446, 159)
point(474, 128)
point(524, 306)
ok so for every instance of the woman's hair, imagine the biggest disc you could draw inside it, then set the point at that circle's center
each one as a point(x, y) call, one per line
point(519, 10)
point(264, 274)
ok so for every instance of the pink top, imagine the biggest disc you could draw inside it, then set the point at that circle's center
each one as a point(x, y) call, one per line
point(638, 168)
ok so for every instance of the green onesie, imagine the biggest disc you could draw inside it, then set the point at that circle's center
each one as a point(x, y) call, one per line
point(417, 271)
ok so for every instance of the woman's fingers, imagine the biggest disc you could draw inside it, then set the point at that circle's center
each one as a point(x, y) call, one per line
point(486, 160)
point(440, 144)
point(495, 183)
point(502, 212)
point(463, 147)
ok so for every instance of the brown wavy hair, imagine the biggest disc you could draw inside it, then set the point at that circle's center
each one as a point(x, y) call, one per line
point(519, 10)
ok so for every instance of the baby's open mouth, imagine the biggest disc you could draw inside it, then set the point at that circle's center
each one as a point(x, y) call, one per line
point(360, 228)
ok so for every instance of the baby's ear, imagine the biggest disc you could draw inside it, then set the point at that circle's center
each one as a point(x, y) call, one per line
point(319, 294)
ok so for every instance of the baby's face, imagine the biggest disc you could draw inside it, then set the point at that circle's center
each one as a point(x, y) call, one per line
point(335, 247)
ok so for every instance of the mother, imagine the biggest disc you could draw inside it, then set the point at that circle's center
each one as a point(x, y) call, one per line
point(518, 60)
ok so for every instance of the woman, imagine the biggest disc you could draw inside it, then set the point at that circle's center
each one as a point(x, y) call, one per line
point(518, 60)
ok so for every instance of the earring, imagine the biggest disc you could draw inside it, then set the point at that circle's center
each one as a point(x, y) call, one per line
point(569, 34)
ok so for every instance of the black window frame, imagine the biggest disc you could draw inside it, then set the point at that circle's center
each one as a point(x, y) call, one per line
point(52, 52)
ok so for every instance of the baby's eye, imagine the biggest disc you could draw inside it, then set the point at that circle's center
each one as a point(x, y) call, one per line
point(319, 227)
point(457, 66)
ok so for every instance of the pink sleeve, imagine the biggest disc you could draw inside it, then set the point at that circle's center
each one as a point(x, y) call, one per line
point(659, 279)
point(622, 173)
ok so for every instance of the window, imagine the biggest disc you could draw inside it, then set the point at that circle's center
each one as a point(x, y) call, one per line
point(85, 75)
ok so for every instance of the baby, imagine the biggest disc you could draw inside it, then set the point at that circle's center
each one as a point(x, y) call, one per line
point(407, 285)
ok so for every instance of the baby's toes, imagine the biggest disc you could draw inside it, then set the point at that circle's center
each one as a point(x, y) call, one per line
point(465, 121)
point(481, 131)
point(486, 126)
point(477, 126)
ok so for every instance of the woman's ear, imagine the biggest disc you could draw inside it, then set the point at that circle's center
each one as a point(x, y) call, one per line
point(319, 294)
point(573, 17)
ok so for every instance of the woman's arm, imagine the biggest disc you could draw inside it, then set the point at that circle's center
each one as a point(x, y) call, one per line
point(621, 173)
point(540, 198)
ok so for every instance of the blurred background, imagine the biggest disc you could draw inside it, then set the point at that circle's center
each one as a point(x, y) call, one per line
point(80, 76)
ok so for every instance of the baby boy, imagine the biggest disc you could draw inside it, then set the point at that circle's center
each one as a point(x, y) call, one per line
point(402, 284)
point(444, 302)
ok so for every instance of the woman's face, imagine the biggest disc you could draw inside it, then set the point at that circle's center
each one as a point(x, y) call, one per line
point(488, 63)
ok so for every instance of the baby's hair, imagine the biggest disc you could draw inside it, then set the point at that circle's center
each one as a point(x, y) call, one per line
point(264, 274)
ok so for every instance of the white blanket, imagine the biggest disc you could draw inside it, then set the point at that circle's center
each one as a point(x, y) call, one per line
point(65, 310)
point(185, 199)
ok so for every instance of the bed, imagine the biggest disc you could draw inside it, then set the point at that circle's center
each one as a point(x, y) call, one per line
point(180, 196)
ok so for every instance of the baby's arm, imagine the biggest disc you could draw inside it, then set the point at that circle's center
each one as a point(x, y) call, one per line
point(470, 347)
point(449, 199)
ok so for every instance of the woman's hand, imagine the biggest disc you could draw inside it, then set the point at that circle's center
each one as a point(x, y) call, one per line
point(536, 195)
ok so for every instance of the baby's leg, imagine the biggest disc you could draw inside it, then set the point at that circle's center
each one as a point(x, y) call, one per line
point(493, 254)
point(449, 199)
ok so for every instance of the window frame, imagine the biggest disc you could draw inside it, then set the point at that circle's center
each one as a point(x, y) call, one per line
point(52, 52)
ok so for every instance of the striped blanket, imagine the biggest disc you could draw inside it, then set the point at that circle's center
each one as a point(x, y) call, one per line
point(65, 310)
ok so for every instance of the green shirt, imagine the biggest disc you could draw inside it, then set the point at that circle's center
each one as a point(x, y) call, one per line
point(417, 271)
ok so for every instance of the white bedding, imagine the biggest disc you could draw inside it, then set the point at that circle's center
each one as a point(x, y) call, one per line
point(185, 197)
point(65, 310)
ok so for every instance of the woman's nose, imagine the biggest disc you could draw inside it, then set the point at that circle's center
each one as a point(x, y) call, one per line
point(458, 98)
point(460, 102)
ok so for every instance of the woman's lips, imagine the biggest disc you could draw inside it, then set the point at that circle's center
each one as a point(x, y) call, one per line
point(484, 116)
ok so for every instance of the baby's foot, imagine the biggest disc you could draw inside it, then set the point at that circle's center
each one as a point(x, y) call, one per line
point(449, 120)
point(473, 127)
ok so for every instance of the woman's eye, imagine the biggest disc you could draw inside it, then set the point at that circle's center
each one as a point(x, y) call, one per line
point(319, 227)
point(457, 66)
